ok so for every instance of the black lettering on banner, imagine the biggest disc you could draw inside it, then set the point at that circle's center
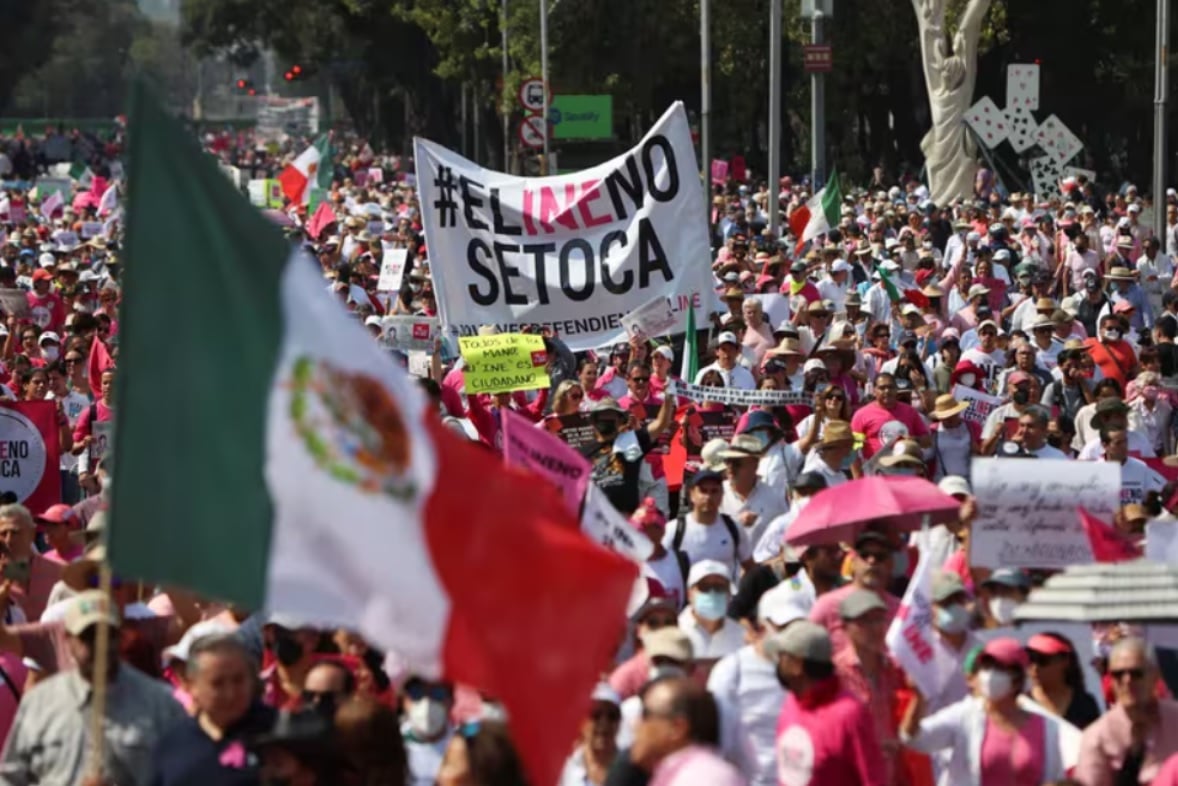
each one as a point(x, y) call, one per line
point(508, 272)
point(623, 286)
point(650, 254)
point(616, 181)
point(566, 279)
point(470, 201)
point(501, 226)
point(9, 468)
point(539, 251)
point(648, 165)
point(480, 268)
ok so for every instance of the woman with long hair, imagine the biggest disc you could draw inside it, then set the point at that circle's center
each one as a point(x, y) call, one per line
point(1057, 682)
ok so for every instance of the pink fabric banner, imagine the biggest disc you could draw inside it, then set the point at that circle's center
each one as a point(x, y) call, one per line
point(548, 456)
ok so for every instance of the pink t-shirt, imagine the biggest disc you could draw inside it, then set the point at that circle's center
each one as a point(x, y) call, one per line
point(958, 563)
point(827, 739)
point(825, 612)
point(1014, 758)
point(871, 419)
point(628, 678)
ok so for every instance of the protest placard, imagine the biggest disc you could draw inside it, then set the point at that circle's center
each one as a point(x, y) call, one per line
point(602, 522)
point(92, 229)
point(576, 430)
point(524, 445)
point(15, 303)
point(258, 192)
point(101, 431)
point(54, 185)
point(910, 637)
point(980, 404)
point(419, 363)
point(737, 397)
point(1027, 510)
point(503, 363)
point(573, 252)
point(29, 452)
point(651, 319)
point(410, 333)
point(392, 267)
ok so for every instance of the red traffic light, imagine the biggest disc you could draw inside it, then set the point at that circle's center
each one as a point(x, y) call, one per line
point(296, 69)
point(241, 83)
point(253, 92)
point(289, 76)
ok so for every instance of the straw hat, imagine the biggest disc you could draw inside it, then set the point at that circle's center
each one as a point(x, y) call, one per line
point(788, 346)
point(836, 432)
point(1120, 274)
point(947, 406)
point(904, 452)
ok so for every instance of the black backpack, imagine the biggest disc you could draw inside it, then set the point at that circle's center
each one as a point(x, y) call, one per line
point(681, 555)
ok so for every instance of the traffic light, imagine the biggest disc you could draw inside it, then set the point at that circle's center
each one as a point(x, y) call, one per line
point(245, 87)
point(294, 72)
point(241, 84)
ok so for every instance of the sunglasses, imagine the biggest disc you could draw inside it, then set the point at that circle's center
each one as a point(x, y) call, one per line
point(874, 556)
point(642, 380)
point(1040, 658)
point(1133, 674)
point(576, 394)
point(654, 623)
point(835, 397)
point(606, 715)
point(418, 691)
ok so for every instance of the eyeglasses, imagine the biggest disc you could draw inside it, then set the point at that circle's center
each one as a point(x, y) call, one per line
point(640, 380)
point(1133, 674)
point(874, 556)
point(417, 691)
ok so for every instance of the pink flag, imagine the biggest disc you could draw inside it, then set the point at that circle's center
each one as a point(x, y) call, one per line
point(1108, 543)
point(548, 456)
point(324, 217)
point(99, 361)
point(719, 171)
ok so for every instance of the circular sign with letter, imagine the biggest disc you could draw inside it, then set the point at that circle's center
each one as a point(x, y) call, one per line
point(22, 454)
point(531, 94)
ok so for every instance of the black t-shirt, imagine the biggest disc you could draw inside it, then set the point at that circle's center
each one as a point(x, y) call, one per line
point(1168, 355)
point(1082, 710)
point(614, 475)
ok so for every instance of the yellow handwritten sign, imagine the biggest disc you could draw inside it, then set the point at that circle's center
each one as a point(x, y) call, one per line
point(503, 363)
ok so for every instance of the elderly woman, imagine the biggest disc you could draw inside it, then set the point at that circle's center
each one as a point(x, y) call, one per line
point(758, 335)
point(990, 739)
point(1150, 412)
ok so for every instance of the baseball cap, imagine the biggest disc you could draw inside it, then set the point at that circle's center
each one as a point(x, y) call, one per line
point(859, 603)
point(89, 608)
point(1048, 645)
point(58, 514)
point(726, 338)
point(665, 351)
point(1008, 652)
point(946, 584)
point(181, 649)
point(803, 639)
point(813, 364)
point(840, 266)
point(669, 642)
point(989, 323)
point(1009, 577)
point(708, 567)
point(954, 485)
point(780, 606)
point(41, 274)
point(1018, 377)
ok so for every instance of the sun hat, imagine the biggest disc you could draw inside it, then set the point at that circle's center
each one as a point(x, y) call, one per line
point(947, 406)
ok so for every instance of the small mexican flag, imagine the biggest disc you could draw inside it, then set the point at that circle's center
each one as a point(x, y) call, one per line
point(312, 477)
point(818, 215)
point(690, 365)
point(312, 169)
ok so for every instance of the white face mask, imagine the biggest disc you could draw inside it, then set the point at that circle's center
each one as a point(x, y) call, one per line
point(427, 717)
point(968, 379)
point(50, 353)
point(994, 684)
point(1002, 610)
point(1111, 335)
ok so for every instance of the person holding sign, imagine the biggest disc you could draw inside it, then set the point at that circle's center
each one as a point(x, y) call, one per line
point(990, 740)
point(727, 363)
point(621, 447)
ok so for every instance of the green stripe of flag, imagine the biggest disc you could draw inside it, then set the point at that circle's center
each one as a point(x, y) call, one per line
point(893, 293)
point(199, 336)
point(832, 200)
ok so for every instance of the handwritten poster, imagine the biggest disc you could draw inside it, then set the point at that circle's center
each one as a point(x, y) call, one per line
point(980, 404)
point(1027, 510)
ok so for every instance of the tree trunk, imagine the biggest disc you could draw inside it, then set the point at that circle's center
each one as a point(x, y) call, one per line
point(950, 75)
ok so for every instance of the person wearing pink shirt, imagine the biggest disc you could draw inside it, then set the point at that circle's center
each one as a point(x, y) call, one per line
point(58, 523)
point(825, 736)
point(871, 419)
point(871, 569)
point(661, 359)
point(678, 734)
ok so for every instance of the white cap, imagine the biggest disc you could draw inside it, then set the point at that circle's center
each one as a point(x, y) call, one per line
point(47, 260)
point(47, 337)
point(890, 265)
point(603, 692)
point(813, 364)
point(727, 338)
point(891, 243)
point(909, 308)
point(1010, 213)
point(840, 266)
point(180, 650)
point(1001, 254)
point(954, 484)
point(781, 606)
point(87, 276)
point(665, 352)
point(708, 567)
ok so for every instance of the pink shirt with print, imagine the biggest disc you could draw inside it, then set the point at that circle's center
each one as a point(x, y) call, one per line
point(869, 420)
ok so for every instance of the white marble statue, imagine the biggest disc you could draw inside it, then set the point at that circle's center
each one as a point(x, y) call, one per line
point(949, 151)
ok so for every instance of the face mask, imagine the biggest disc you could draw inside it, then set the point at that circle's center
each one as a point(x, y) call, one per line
point(1111, 335)
point(953, 619)
point(710, 606)
point(1091, 285)
point(427, 717)
point(1149, 393)
point(607, 428)
point(665, 670)
point(994, 684)
point(50, 353)
point(104, 483)
point(1020, 397)
point(1002, 610)
point(968, 379)
point(287, 649)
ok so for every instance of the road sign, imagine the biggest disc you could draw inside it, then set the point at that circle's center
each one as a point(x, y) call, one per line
point(817, 58)
point(531, 95)
point(531, 132)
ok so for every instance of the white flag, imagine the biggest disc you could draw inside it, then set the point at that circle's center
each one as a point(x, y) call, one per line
point(910, 636)
point(51, 204)
point(109, 200)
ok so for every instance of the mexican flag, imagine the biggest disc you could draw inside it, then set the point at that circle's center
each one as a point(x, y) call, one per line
point(312, 169)
point(690, 366)
point(306, 474)
point(819, 214)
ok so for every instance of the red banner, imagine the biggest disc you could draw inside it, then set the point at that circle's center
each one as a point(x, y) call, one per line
point(30, 453)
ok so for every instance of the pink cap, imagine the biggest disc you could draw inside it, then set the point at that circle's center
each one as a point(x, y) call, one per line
point(950, 333)
point(1018, 377)
point(1008, 652)
point(1122, 307)
point(1048, 645)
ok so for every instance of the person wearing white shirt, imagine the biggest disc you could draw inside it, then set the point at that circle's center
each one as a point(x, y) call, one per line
point(834, 288)
point(1032, 433)
point(749, 696)
point(831, 454)
point(747, 500)
point(1138, 481)
point(772, 540)
point(1112, 414)
point(703, 533)
point(1155, 271)
point(705, 620)
point(876, 301)
point(728, 354)
point(781, 462)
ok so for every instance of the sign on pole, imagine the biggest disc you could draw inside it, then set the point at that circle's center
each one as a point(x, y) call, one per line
point(817, 58)
point(531, 132)
point(531, 95)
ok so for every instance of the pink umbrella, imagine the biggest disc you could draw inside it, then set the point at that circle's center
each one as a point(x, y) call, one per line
point(899, 504)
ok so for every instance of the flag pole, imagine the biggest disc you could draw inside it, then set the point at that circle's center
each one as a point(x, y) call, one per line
point(98, 681)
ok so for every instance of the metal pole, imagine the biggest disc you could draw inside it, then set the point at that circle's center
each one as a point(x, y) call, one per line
point(503, 105)
point(1161, 93)
point(705, 91)
point(817, 110)
point(475, 110)
point(544, 76)
point(774, 116)
point(465, 150)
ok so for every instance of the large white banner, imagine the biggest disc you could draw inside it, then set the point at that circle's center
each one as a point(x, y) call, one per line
point(573, 252)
